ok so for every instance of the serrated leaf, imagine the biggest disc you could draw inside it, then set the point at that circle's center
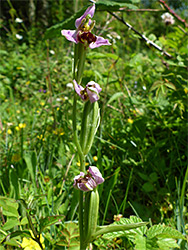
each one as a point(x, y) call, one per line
point(140, 242)
point(167, 243)
point(108, 5)
point(69, 236)
point(165, 232)
point(115, 96)
point(50, 220)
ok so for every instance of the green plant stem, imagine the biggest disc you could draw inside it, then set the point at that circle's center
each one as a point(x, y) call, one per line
point(79, 61)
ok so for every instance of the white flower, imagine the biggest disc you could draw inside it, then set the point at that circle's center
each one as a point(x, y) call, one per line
point(18, 20)
point(52, 52)
point(168, 19)
point(70, 85)
point(19, 37)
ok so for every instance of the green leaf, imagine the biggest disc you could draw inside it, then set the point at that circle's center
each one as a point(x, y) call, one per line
point(10, 206)
point(10, 223)
point(55, 30)
point(69, 236)
point(98, 55)
point(167, 243)
point(50, 220)
point(31, 162)
point(170, 85)
point(108, 5)
point(140, 242)
point(24, 233)
point(148, 187)
point(165, 232)
point(115, 96)
point(125, 226)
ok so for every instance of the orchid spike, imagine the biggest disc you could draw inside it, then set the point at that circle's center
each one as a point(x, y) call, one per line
point(83, 34)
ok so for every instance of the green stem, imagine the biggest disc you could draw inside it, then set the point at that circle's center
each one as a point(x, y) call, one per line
point(79, 60)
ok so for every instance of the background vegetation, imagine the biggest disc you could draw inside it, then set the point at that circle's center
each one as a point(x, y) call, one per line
point(141, 146)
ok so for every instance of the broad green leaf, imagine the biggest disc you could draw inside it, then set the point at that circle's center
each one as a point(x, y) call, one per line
point(50, 220)
point(140, 242)
point(164, 231)
point(10, 223)
point(148, 187)
point(9, 206)
point(167, 243)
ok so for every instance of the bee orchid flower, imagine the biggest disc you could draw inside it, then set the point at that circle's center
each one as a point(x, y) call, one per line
point(90, 92)
point(82, 34)
point(88, 182)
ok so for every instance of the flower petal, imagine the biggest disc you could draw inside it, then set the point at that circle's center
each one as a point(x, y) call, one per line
point(99, 42)
point(91, 85)
point(93, 96)
point(96, 175)
point(70, 35)
point(90, 11)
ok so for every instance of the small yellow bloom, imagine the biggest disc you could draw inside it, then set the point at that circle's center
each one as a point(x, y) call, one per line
point(95, 158)
point(40, 137)
point(130, 121)
point(17, 128)
point(38, 111)
point(9, 131)
point(6, 100)
point(185, 90)
point(27, 83)
point(18, 111)
point(42, 103)
point(78, 164)
point(22, 125)
point(57, 108)
point(30, 244)
point(18, 67)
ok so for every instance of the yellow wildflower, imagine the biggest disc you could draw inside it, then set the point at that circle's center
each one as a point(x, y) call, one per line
point(95, 158)
point(185, 90)
point(30, 244)
point(27, 83)
point(22, 125)
point(78, 164)
point(40, 137)
point(17, 111)
point(9, 131)
point(57, 108)
point(130, 121)
point(17, 128)
point(42, 103)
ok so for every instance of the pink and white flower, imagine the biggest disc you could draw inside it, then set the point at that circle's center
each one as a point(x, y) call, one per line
point(83, 34)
